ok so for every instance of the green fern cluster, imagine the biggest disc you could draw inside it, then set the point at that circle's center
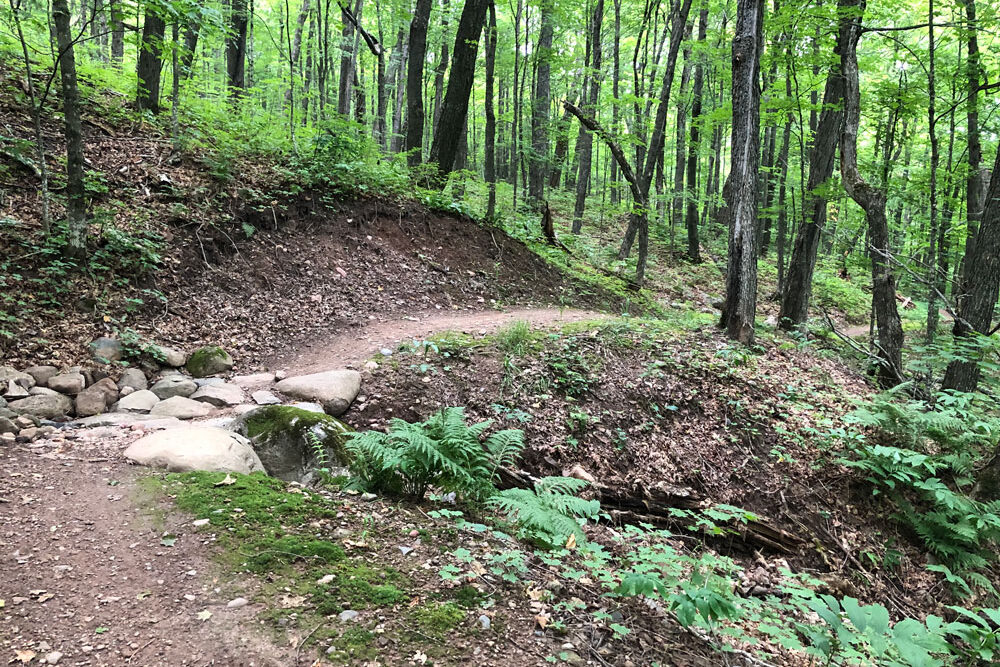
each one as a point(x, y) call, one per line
point(443, 452)
point(549, 513)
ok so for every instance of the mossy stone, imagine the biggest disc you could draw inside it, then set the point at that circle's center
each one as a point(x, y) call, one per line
point(292, 442)
point(209, 360)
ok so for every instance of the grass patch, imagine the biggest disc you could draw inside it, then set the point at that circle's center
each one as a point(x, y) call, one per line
point(438, 619)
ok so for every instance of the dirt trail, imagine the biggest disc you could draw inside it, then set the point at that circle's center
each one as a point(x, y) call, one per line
point(352, 347)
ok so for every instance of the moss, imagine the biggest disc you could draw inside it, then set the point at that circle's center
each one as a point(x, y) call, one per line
point(208, 360)
point(266, 422)
point(468, 597)
point(437, 620)
point(357, 586)
point(353, 644)
point(271, 554)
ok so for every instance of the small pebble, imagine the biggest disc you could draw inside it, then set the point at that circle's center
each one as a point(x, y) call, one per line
point(348, 615)
point(237, 603)
point(484, 621)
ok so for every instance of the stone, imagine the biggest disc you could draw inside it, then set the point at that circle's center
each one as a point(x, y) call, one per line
point(25, 421)
point(125, 391)
point(149, 422)
point(264, 397)
point(42, 374)
point(335, 390)
point(8, 438)
point(11, 374)
point(181, 407)
point(106, 350)
point(175, 385)
point(43, 391)
point(195, 448)
point(253, 380)
point(46, 407)
point(209, 360)
point(280, 375)
point(484, 621)
point(348, 615)
point(139, 401)
point(236, 603)
point(169, 356)
point(310, 407)
point(96, 398)
point(3, 403)
point(27, 434)
point(286, 439)
point(205, 382)
point(15, 391)
point(8, 426)
point(223, 395)
point(68, 383)
point(53, 657)
point(134, 378)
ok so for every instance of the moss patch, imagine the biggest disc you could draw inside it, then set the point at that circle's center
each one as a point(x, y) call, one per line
point(208, 360)
point(310, 429)
point(437, 620)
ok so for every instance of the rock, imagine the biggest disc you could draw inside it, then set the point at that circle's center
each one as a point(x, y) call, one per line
point(169, 356)
point(484, 621)
point(175, 385)
point(149, 422)
point(222, 395)
point(254, 380)
point(209, 360)
point(125, 391)
point(285, 439)
point(237, 603)
point(3, 403)
point(27, 434)
point(348, 615)
point(8, 413)
point(96, 398)
point(333, 389)
point(43, 391)
point(25, 421)
point(41, 374)
point(181, 407)
point(8, 438)
point(106, 350)
point(264, 397)
point(280, 375)
point(15, 391)
point(139, 401)
point(208, 382)
point(46, 407)
point(310, 407)
point(68, 383)
point(53, 657)
point(195, 448)
point(11, 374)
point(133, 378)
point(8, 426)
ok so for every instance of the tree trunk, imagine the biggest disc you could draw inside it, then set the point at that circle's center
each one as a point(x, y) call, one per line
point(680, 153)
point(694, 144)
point(822, 153)
point(540, 108)
point(396, 143)
point(584, 141)
point(872, 200)
point(236, 47)
point(150, 60)
point(76, 205)
point(440, 70)
point(782, 230)
point(740, 310)
point(615, 76)
point(456, 99)
point(974, 201)
point(348, 56)
point(561, 150)
point(935, 249)
point(415, 83)
point(117, 15)
point(489, 151)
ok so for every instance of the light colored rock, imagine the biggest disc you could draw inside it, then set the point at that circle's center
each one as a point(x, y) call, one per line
point(206, 382)
point(11, 374)
point(106, 350)
point(335, 390)
point(53, 657)
point(150, 422)
point(42, 374)
point(134, 378)
point(348, 615)
point(27, 434)
point(139, 401)
point(264, 397)
point(236, 603)
point(254, 380)
point(310, 407)
point(67, 383)
point(46, 407)
point(8, 438)
point(125, 391)
point(25, 421)
point(245, 408)
point(96, 398)
point(169, 356)
point(222, 395)
point(15, 391)
point(209, 360)
point(195, 448)
point(175, 385)
point(43, 391)
point(181, 407)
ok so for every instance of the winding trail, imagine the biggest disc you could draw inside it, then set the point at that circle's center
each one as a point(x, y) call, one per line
point(351, 348)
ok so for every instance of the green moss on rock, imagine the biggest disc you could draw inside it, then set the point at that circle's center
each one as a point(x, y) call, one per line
point(209, 360)
point(290, 441)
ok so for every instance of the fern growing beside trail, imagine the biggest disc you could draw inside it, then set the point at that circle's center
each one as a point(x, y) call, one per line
point(548, 514)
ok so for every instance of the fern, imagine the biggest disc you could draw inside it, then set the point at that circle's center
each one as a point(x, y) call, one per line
point(442, 452)
point(550, 513)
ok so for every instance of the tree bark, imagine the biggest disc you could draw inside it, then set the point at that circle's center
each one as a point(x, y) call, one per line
point(872, 200)
point(694, 144)
point(236, 47)
point(456, 99)
point(540, 108)
point(348, 56)
point(740, 309)
point(974, 201)
point(584, 141)
point(117, 16)
point(440, 70)
point(932, 259)
point(150, 60)
point(415, 83)
point(489, 151)
point(76, 205)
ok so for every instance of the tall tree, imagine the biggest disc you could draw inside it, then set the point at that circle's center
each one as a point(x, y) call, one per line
point(591, 91)
point(740, 309)
point(456, 99)
point(540, 107)
point(489, 167)
point(236, 47)
point(76, 204)
point(694, 145)
point(415, 83)
point(150, 59)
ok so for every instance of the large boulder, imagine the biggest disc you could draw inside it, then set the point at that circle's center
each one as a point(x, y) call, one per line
point(174, 385)
point(169, 356)
point(10, 374)
point(195, 448)
point(209, 360)
point(96, 398)
point(141, 401)
point(106, 350)
point(134, 378)
point(67, 383)
point(181, 407)
point(292, 442)
point(42, 374)
point(335, 390)
point(46, 406)
point(219, 395)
